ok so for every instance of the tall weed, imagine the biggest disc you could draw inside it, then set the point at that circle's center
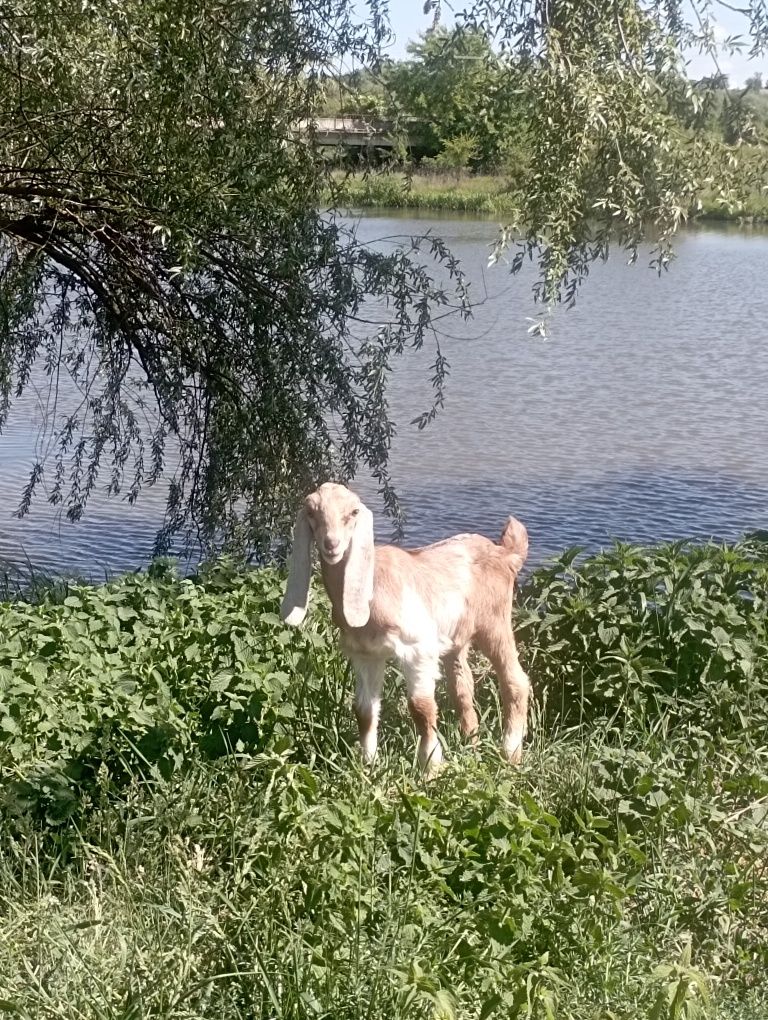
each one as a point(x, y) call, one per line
point(141, 674)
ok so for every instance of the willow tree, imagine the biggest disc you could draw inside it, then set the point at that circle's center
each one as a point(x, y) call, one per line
point(457, 86)
point(163, 244)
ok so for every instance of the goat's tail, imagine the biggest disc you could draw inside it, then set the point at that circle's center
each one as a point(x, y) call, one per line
point(514, 538)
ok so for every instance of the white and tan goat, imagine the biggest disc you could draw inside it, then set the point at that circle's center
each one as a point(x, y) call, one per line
point(421, 606)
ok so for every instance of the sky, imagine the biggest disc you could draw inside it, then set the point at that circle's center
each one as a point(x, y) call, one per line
point(408, 21)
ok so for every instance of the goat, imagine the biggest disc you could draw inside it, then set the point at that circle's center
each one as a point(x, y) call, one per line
point(420, 606)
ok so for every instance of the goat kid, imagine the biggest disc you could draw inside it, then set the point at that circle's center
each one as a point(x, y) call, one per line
point(421, 606)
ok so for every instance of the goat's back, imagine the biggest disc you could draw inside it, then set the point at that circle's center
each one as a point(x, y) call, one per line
point(458, 586)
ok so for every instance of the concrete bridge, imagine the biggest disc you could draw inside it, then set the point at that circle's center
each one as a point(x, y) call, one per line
point(357, 132)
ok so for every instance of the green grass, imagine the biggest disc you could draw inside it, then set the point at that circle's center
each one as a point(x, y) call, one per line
point(496, 196)
point(186, 830)
point(489, 195)
point(754, 209)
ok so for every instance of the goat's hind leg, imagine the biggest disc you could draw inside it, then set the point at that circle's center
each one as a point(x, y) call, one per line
point(461, 687)
point(370, 682)
point(514, 688)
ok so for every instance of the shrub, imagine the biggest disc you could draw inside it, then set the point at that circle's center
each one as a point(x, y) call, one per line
point(138, 674)
point(641, 639)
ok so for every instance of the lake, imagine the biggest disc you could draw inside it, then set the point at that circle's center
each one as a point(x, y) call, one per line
point(643, 417)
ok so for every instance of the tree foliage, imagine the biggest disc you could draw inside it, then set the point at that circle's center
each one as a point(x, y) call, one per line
point(162, 244)
point(459, 88)
point(609, 162)
point(754, 82)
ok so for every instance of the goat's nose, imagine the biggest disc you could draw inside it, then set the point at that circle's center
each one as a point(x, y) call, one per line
point(331, 544)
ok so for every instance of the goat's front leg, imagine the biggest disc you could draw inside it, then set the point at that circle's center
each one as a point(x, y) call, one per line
point(370, 682)
point(421, 675)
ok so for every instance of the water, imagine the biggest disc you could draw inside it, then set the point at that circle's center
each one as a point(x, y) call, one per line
point(644, 417)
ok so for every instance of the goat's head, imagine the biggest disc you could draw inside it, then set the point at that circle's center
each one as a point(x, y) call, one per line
point(332, 513)
point(342, 527)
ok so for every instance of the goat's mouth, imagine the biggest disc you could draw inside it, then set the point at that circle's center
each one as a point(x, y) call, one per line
point(333, 558)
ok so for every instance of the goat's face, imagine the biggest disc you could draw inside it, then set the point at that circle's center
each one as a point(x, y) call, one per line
point(332, 512)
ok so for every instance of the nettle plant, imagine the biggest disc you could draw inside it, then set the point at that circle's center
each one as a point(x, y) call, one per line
point(143, 675)
point(641, 638)
point(656, 652)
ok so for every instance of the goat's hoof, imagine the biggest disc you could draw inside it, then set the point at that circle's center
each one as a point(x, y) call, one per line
point(513, 754)
point(432, 770)
point(367, 754)
point(431, 764)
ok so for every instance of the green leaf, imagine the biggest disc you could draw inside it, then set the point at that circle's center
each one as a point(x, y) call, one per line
point(222, 680)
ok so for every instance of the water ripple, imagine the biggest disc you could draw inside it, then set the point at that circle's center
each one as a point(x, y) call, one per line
point(644, 418)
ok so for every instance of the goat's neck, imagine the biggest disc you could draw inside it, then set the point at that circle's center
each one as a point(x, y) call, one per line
point(333, 579)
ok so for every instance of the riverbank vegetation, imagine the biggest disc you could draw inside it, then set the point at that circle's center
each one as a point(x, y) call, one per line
point(483, 194)
point(187, 831)
point(497, 197)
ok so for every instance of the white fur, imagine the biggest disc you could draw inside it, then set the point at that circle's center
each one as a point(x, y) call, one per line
point(370, 681)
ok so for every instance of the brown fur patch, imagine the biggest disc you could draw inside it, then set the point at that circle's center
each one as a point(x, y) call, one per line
point(423, 711)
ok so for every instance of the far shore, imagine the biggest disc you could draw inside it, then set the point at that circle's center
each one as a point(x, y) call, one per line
point(492, 195)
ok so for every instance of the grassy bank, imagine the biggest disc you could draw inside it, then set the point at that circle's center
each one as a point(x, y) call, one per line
point(753, 210)
point(488, 195)
point(187, 832)
point(494, 196)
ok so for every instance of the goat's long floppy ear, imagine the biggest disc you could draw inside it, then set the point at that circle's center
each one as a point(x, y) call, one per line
point(358, 572)
point(296, 598)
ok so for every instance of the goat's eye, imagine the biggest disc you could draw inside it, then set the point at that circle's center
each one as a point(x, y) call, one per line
point(355, 512)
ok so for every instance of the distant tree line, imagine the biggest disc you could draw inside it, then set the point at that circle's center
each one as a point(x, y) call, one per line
point(465, 103)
